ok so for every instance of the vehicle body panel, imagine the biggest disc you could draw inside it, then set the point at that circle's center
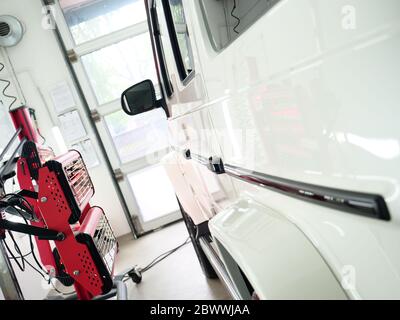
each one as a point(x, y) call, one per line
point(306, 96)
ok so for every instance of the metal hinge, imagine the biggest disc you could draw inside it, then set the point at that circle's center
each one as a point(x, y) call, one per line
point(119, 175)
point(95, 115)
point(72, 56)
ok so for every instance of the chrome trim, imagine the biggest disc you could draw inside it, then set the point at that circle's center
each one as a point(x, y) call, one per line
point(368, 205)
point(363, 204)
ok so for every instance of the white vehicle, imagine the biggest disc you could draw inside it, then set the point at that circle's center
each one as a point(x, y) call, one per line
point(284, 121)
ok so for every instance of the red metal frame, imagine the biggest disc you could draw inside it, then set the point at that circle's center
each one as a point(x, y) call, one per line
point(44, 248)
point(52, 208)
point(22, 119)
point(78, 263)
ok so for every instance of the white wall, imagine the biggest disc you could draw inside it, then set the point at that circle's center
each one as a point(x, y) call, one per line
point(39, 65)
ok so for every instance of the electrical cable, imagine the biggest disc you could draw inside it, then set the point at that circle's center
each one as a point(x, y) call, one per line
point(19, 88)
point(29, 209)
point(26, 206)
point(24, 256)
point(20, 203)
point(49, 279)
point(18, 250)
point(41, 272)
point(164, 256)
point(32, 247)
point(8, 84)
point(37, 270)
point(157, 260)
point(235, 17)
point(20, 266)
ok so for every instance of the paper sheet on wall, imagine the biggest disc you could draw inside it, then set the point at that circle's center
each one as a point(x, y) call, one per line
point(72, 126)
point(88, 153)
point(62, 97)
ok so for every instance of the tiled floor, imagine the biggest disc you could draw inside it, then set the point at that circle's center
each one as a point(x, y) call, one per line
point(179, 277)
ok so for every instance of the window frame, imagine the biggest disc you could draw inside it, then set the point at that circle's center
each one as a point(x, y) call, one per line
point(155, 28)
point(183, 73)
point(101, 36)
point(84, 53)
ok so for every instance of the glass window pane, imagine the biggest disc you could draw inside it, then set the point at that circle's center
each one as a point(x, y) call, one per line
point(184, 45)
point(182, 33)
point(115, 68)
point(136, 137)
point(154, 193)
point(90, 19)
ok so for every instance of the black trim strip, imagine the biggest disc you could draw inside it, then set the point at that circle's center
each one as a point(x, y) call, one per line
point(183, 73)
point(154, 26)
point(363, 204)
point(28, 194)
point(41, 233)
point(368, 205)
point(106, 278)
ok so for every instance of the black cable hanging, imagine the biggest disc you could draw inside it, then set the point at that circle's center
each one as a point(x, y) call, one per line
point(8, 84)
point(235, 17)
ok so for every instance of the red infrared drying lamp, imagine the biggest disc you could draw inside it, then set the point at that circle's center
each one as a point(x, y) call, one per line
point(78, 246)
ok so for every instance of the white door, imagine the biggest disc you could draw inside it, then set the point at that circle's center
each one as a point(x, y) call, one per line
point(110, 49)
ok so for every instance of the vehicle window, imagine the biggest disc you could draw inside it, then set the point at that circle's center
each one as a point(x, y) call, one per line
point(226, 20)
point(114, 68)
point(179, 35)
point(90, 19)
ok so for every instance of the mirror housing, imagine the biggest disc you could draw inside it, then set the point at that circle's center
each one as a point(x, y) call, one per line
point(139, 98)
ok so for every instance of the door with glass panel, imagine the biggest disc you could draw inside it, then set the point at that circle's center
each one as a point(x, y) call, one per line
point(109, 45)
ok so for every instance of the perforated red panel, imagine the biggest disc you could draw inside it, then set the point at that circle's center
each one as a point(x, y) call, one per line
point(25, 183)
point(57, 196)
point(75, 256)
point(90, 270)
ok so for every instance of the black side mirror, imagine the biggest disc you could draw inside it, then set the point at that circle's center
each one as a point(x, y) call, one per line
point(139, 98)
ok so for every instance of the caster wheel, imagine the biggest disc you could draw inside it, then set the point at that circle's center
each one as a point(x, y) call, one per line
point(136, 276)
